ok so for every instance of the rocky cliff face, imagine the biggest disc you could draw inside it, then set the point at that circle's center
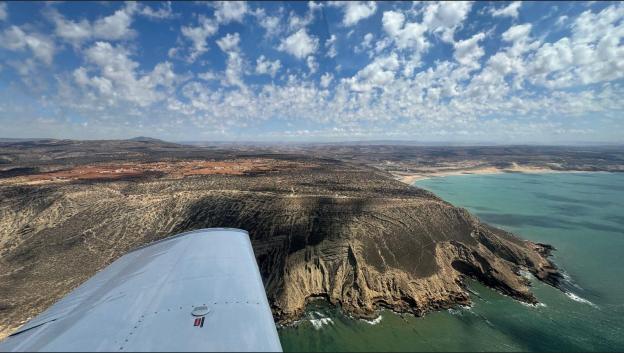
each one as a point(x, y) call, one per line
point(320, 228)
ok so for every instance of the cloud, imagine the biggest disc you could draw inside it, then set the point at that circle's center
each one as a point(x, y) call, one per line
point(468, 52)
point(368, 38)
point(207, 76)
point(3, 11)
point(527, 83)
point(299, 44)
point(592, 54)
point(442, 18)
point(296, 23)
point(517, 33)
point(510, 10)
point(312, 64)
point(590, 26)
point(326, 79)
point(113, 27)
point(74, 32)
point(15, 39)
point(117, 25)
point(267, 67)
point(164, 12)
point(405, 35)
point(445, 17)
point(271, 24)
point(234, 65)
point(561, 20)
point(355, 11)
point(198, 36)
point(330, 45)
point(377, 74)
point(366, 44)
point(118, 79)
point(229, 42)
point(228, 11)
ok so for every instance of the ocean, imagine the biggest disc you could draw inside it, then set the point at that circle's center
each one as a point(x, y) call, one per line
point(580, 214)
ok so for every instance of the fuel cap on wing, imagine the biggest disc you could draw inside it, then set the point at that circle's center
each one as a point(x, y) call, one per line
point(200, 310)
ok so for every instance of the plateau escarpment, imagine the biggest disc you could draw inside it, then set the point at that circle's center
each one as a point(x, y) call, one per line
point(320, 228)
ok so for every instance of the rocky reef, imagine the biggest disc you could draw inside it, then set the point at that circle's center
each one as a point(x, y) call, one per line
point(321, 228)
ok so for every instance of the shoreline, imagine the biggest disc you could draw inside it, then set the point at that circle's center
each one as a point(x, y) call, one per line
point(410, 178)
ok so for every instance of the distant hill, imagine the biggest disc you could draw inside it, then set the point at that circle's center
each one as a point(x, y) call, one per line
point(146, 139)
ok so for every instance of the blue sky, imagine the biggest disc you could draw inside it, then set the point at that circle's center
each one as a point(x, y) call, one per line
point(500, 72)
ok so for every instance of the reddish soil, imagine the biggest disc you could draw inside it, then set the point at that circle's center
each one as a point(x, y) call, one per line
point(175, 169)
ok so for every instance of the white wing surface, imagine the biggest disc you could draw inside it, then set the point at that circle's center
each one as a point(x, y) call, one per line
point(197, 291)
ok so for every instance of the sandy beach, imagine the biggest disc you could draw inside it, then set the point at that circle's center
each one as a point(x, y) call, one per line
point(410, 178)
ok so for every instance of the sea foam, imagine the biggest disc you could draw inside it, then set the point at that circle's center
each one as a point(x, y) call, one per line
point(576, 298)
point(374, 321)
point(536, 305)
point(319, 323)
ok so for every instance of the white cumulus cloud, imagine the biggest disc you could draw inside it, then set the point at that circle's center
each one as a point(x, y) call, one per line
point(510, 10)
point(228, 11)
point(116, 79)
point(355, 11)
point(326, 79)
point(468, 52)
point(234, 65)
point(16, 39)
point(267, 67)
point(405, 35)
point(330, 46)
point(299, 44)
point(163, 12)
point(198, 36)
point(378, 74)
point(117, 25)
point(444, 17)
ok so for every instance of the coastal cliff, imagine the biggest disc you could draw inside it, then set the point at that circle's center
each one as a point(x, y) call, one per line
point(320, 228)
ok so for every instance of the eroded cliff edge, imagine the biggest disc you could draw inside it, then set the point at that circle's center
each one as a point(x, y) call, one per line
point(320, 228)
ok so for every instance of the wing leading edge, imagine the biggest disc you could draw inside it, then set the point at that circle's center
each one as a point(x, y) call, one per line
point(196, 291)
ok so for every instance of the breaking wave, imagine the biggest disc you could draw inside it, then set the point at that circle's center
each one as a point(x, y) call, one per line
point(319, 323)
point(536, 305)
point(318, 320)
point(576, 298)
point(374, 321)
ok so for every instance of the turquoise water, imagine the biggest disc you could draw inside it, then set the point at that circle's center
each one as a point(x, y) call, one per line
point(581, 214)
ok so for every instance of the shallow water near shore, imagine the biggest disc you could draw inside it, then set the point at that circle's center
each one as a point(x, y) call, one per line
point(581, 214)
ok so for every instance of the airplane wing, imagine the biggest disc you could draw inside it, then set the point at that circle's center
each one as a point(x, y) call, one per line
point(196, 291)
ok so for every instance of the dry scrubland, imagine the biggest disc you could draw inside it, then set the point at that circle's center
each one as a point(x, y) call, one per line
point(322, 224)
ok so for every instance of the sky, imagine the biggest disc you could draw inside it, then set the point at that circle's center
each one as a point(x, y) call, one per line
point(499, 72)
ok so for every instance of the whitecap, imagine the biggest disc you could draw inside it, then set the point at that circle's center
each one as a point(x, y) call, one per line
point(319, 315)
point(460, 309)
point(319, 323)
point(568, 280)
point(455, 312)
point(576, 298)
point(295, 323)
point(374, 321)
point(536, 305)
